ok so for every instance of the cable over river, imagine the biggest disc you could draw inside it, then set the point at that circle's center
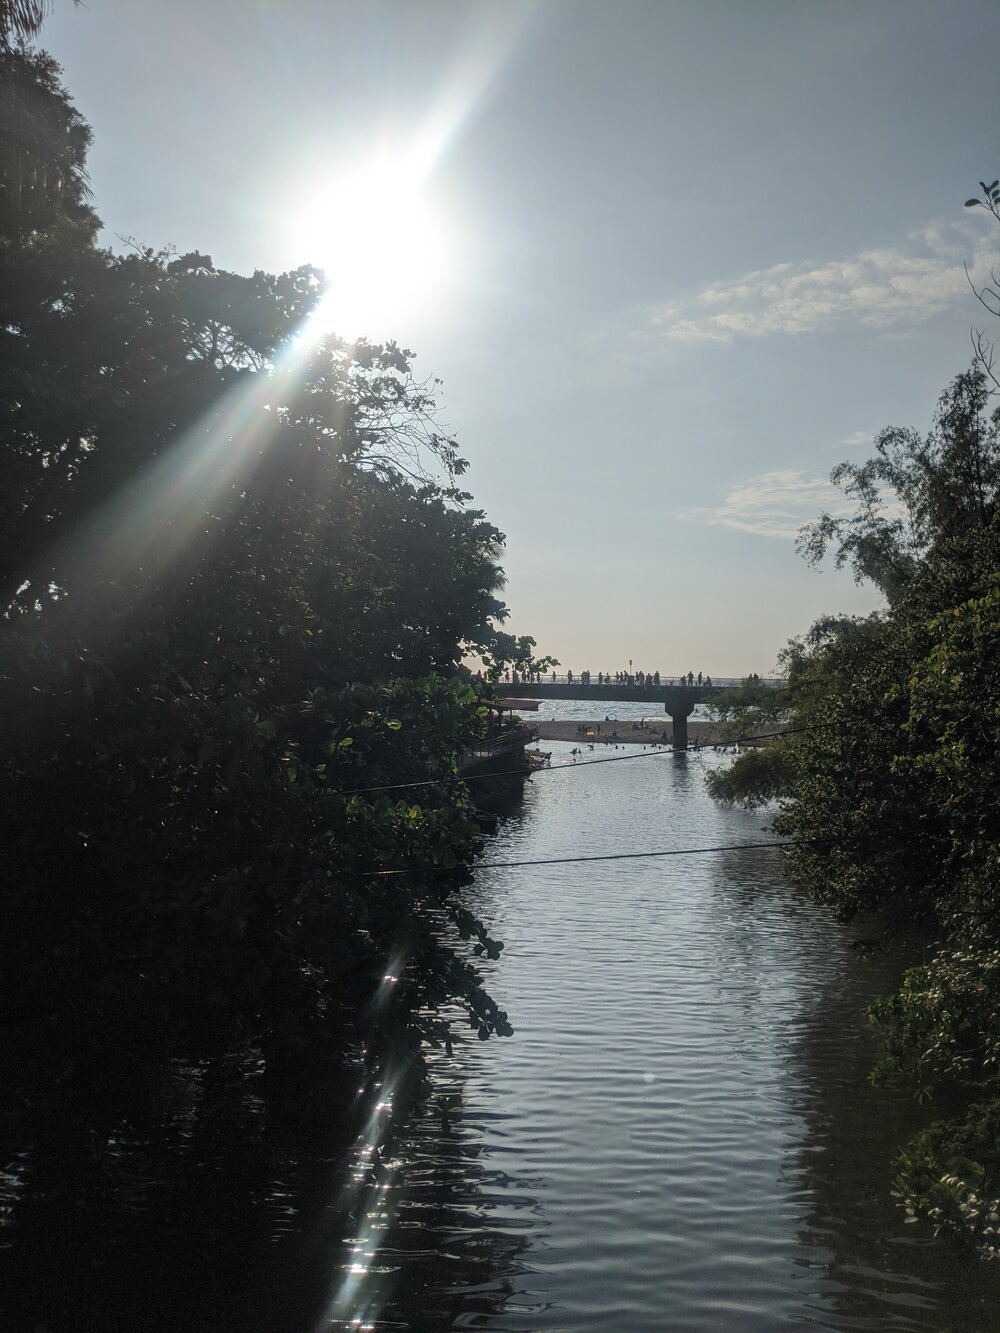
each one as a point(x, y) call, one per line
point(679, 1136)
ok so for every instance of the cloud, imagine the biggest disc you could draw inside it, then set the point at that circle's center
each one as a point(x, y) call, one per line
point(857, 437)
point(883, 289)
point(775, 504)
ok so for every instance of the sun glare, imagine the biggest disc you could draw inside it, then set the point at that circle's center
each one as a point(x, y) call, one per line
point(382, 246)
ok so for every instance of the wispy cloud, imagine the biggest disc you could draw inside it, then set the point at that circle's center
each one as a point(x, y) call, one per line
point(855, 438)
point(882, 289)
point(774, 504)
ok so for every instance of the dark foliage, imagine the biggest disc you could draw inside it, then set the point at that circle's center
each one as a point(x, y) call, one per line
point(889, 783)
point(233, 594)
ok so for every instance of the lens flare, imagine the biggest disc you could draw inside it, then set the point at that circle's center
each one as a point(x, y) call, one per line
point(381, 244)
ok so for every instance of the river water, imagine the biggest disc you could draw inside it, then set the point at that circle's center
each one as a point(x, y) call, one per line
point(592, 710)
point(679, 1136)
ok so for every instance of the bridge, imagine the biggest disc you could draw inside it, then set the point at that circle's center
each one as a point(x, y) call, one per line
point(677, 696)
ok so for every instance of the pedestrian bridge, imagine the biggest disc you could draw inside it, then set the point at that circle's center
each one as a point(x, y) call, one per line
point(677, 696)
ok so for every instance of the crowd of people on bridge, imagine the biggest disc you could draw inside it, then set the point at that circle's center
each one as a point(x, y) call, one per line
point(620, 679)
point(629, 679)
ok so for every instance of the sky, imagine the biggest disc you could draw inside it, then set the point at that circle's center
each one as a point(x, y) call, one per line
point(671, 261)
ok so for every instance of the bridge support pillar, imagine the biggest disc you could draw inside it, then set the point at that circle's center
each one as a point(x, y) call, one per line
point(680, 710)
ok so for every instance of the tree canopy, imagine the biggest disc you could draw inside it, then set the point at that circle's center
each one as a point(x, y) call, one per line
point(238, 582)
point(921, 503)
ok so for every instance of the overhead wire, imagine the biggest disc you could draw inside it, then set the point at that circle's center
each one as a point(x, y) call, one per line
point(607, 856)
point(590, 763)
point(616, 856)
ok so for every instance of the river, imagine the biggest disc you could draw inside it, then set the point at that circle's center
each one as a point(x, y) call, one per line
point(591, 710)
point(679, 1136)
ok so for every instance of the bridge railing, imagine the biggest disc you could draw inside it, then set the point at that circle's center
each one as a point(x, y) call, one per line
point(630, 682)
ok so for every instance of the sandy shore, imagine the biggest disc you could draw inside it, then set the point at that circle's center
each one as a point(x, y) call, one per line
point(622, 732)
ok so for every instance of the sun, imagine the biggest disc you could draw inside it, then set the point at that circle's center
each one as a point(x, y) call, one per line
point(381, 244)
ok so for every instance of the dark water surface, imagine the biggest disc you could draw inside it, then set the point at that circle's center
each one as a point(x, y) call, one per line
point(679, 1136)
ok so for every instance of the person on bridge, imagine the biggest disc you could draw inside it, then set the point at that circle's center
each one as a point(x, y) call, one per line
point(699, 677)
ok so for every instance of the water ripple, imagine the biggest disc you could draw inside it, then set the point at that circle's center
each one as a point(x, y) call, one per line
point(680, 1134)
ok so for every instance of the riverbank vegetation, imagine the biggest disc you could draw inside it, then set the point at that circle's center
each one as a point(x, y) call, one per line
point(888, 778)
point(239, 581)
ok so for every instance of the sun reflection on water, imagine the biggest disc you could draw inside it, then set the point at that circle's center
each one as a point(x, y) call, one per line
point(356, 1299)
point(360, 1286)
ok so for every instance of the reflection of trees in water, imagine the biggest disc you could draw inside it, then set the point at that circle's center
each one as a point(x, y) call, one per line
point(869, 1271)
point(144, 1194)
point(166, 1197)
point(458, 1233)
point(442, 1231)
point(219, 1199)
point(459, 1227)
point(878, 1271)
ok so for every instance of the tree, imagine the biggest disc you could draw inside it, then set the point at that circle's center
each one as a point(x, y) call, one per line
point(988, 295)
point(920, 503)
point(748, 707)
point(236, 604)
point(20, 19)
point(514, 651)
point(43, 178)
point(887, 782)
point(745, 711)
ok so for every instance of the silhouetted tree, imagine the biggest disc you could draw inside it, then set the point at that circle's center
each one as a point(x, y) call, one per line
point(235, 608)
